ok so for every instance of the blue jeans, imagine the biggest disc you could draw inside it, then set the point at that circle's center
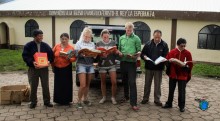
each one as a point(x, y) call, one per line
point(80, 68)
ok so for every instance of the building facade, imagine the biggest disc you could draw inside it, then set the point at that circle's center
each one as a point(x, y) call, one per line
point(200, 29)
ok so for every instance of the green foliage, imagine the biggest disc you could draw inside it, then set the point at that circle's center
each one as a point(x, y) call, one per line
point(11, 60)
point(207, 70)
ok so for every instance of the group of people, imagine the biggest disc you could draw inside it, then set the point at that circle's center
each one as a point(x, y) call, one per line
point(129, 49)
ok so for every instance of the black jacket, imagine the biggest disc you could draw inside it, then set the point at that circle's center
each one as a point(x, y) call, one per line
point(31, 48)
point(153, 51)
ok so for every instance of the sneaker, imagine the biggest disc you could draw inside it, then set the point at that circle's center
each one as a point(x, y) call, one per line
point(86, 102)
point(102, 100)
point(135, 108)
point(79, 105)
point(113, 101)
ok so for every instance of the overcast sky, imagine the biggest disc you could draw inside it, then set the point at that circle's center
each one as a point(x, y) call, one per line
point(176, 5)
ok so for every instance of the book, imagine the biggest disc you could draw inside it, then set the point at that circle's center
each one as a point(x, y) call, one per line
point(69, 53)
point(107, 51)
point(158, 60)
point(178, 62)
point(133, 56)
point(41, 59)
point(89, 52)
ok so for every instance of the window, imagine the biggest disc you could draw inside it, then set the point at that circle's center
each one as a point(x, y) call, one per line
point(75, 30)
point(209, 37)
point(143, 31)
point(29, 27)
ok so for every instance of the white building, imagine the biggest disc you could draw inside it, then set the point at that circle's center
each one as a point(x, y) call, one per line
point(196, 21)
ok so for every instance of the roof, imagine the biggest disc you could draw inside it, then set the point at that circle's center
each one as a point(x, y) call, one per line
point(166, 5)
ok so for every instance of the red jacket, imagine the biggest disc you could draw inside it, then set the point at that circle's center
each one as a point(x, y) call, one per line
point(177, 72)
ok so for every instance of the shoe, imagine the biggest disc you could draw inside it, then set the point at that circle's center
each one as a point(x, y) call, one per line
point(144, 101)
point(182, 109)
point(158, 103)
point(86, 102)
point(102, 100)
point(135, 108)
point(124, 99)
point(114, 102)
point(32, 105)
point(166, 106)
point(79, 105)
point(48, 104)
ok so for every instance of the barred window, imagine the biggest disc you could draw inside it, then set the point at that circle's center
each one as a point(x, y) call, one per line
point(209, 37)
point(75, 30)
point(142, 30)
point(30, 25)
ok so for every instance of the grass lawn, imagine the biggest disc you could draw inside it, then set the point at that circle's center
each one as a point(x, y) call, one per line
point(11, 60)
point(207, 70)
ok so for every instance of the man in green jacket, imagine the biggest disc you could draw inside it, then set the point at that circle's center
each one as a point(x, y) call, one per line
point(130, 47)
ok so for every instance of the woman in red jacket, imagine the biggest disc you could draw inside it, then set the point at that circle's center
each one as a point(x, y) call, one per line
point(180, 66)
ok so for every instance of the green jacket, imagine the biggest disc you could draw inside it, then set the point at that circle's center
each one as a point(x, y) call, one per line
point(129, 45)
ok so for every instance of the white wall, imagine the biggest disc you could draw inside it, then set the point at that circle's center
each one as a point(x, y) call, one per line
point(185, 28)
point(63, 24)
point(189, 30)
point(163, 25)
point(18, 23)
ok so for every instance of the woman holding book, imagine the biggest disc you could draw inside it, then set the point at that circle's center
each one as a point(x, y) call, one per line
point(84, 66)
point(62, 67)
point(106, 63)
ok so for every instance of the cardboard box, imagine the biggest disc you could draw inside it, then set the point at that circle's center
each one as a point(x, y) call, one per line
point(14, 94)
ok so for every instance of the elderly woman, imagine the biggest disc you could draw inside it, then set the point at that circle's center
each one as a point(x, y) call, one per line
point(63, 79)
point(84, 67)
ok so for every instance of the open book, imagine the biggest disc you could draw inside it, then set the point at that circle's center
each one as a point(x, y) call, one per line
point(69, 53)
point(107, 51)
point(157, 61)
point(178, 62)
point(89, 52)
point(133, 56)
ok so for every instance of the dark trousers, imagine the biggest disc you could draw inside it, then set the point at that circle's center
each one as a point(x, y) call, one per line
point(181, 92)
point(33, 77)
point(149, 75)
point(128, 72)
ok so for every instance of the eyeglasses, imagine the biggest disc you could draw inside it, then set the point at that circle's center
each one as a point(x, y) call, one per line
point(182, 45)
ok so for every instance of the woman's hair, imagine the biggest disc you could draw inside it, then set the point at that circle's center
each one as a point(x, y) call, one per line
point(64, 35)
point(129, 25)
point(86, 30)
point(181, 41)
point(104, 31)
